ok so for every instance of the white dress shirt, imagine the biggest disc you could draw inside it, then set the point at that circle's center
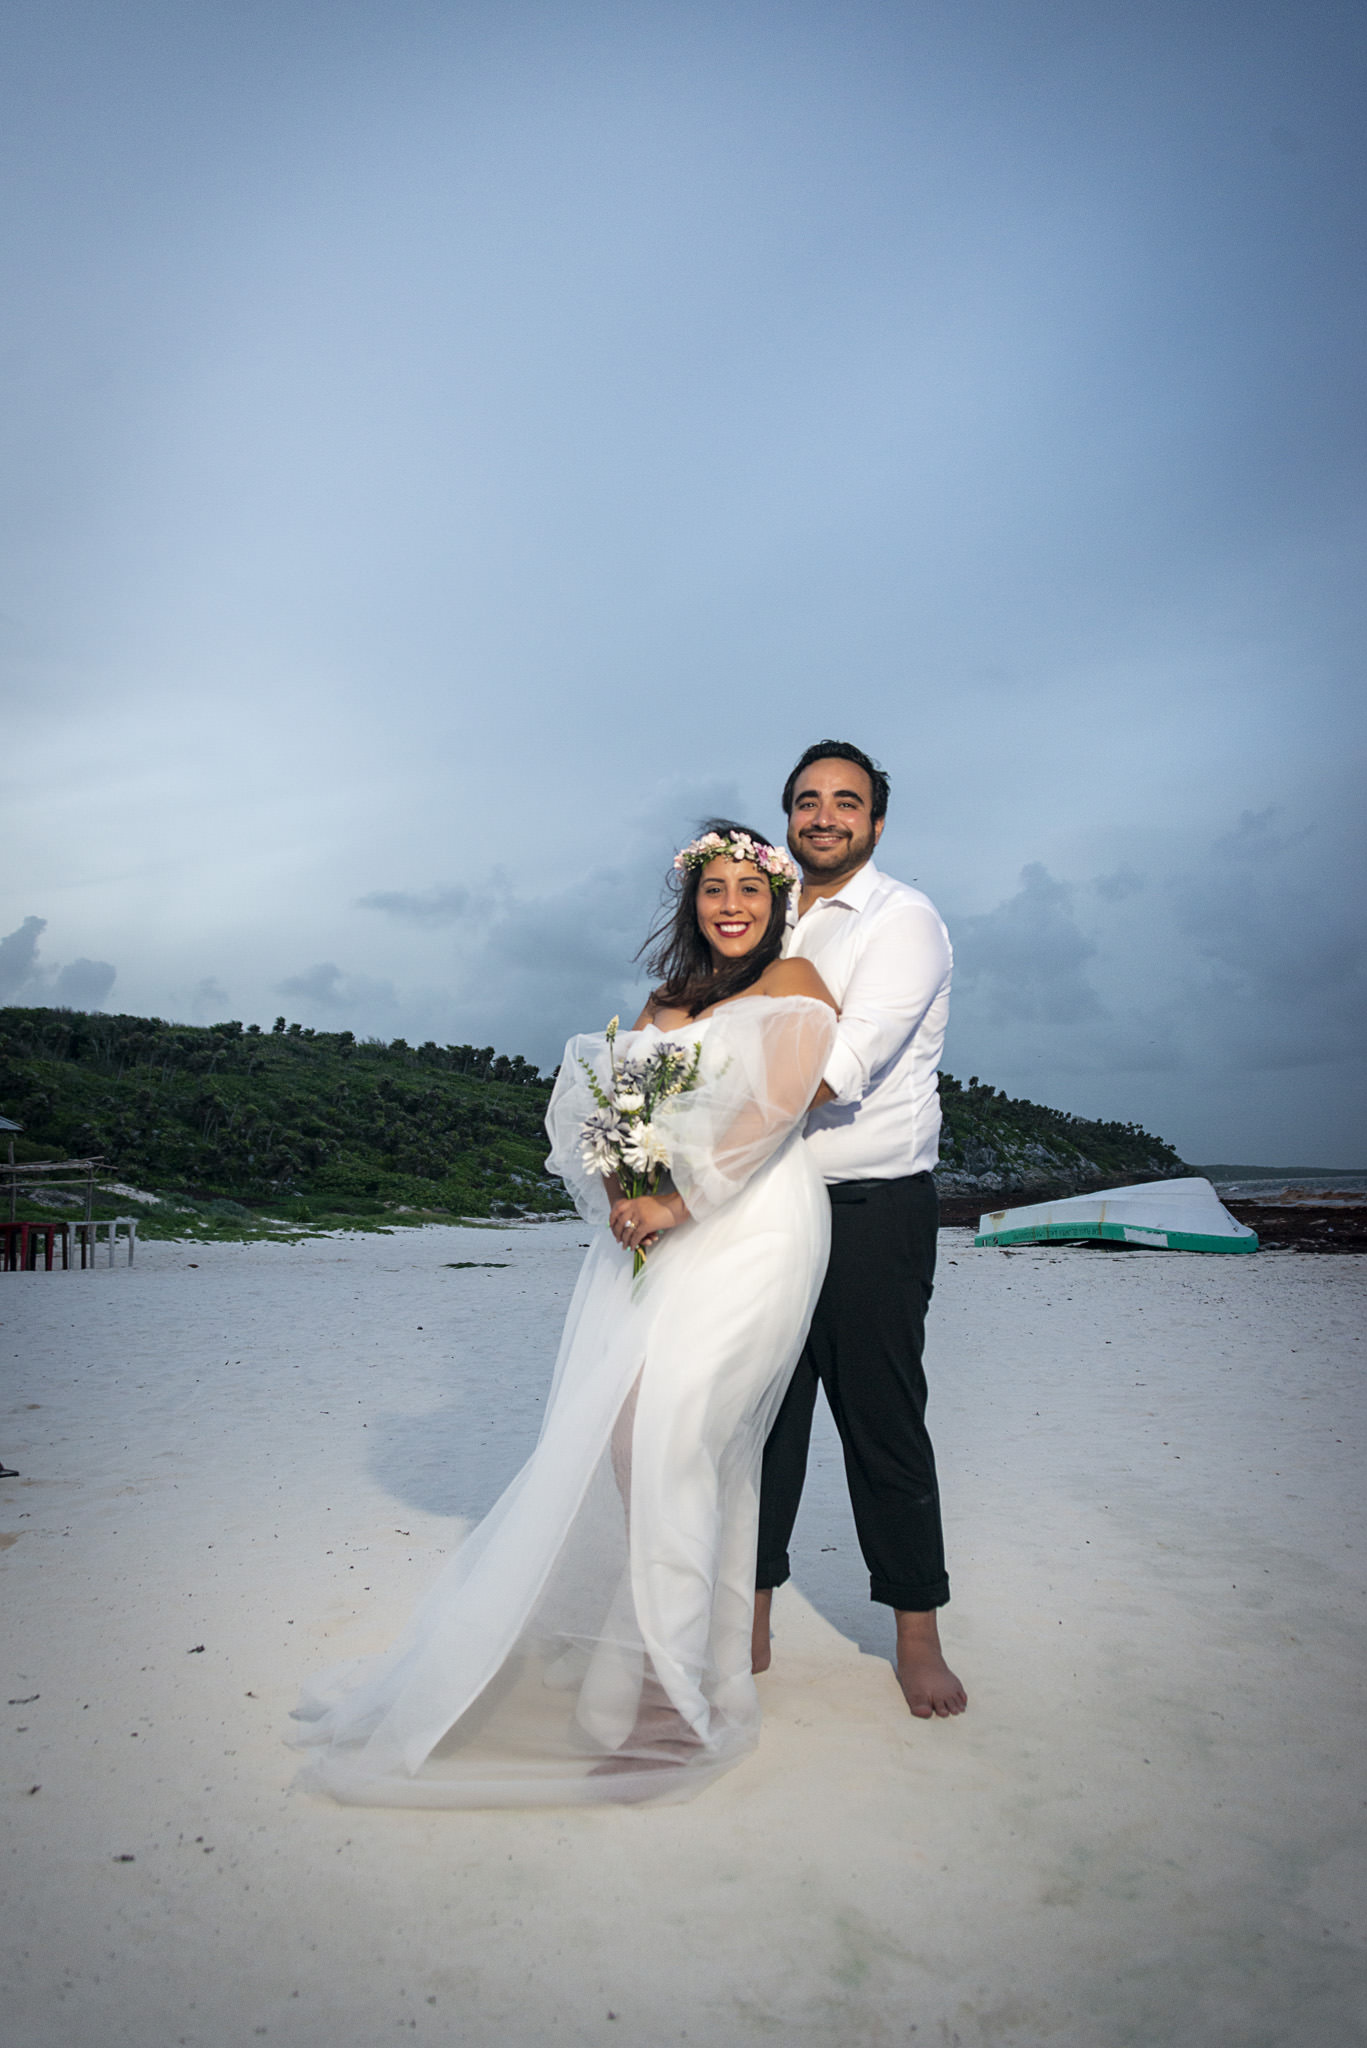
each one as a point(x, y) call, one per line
point(884, 954)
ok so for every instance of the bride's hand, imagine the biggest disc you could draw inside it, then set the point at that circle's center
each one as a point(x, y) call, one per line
point(638, 1220)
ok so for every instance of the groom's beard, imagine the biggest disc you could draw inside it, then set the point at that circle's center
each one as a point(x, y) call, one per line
point(828, 863)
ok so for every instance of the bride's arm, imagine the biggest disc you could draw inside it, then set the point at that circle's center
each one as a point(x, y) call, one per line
point(763, 1065)
point(798, 977)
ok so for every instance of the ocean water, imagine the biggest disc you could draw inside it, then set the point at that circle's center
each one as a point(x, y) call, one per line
point(1293, 1187)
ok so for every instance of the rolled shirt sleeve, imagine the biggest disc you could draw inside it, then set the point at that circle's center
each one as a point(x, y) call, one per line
point(892, 987)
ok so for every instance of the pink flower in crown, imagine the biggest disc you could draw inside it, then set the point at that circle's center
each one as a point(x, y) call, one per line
point(742, 846)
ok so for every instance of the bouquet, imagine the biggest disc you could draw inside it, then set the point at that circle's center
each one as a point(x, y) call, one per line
point(621, 1136)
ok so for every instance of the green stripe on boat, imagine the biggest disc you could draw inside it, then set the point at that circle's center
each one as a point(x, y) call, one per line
point(1119, 1233)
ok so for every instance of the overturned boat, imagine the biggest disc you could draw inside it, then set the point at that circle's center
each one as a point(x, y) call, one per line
point(1166, 1215)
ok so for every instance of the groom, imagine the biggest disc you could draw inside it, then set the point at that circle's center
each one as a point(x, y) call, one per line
point(883, 952)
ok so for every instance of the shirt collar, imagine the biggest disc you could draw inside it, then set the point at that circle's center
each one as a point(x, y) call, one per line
point(857, 892)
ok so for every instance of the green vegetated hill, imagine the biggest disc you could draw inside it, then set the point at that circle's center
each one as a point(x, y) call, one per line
point(992, 1143)
point(316, 1128)
point(309, 1126)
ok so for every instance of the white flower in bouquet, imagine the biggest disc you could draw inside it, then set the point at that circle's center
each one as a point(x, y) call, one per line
point(645, 1150)
point(600, 1141)
point(619, 1138)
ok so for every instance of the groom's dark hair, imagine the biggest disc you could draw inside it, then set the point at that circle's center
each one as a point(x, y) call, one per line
point(841, 750)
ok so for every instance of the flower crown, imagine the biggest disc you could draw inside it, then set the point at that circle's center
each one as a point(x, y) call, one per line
point(770, 860)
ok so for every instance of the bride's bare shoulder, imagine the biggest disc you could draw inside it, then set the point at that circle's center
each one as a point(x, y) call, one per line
point(795, 977)
point(660, 1014)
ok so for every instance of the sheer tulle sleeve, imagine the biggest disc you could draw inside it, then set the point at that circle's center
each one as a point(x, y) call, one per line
point(762, 1061)
point(571, 1101)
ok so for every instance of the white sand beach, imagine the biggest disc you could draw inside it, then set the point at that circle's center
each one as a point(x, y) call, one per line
point(242, 1462)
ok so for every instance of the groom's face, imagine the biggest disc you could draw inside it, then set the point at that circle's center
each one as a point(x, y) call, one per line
point(831, 828)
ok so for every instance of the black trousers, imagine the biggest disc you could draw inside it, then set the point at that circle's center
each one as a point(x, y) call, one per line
point(865, 1349)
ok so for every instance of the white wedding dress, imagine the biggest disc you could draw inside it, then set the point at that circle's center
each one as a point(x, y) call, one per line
point(590, 1640)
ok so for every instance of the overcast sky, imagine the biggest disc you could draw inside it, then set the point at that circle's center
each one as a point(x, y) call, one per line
point(449, 449)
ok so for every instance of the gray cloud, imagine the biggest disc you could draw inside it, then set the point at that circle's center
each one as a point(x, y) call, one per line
point(1231, 989)
point(1114, 888)
point(19, 957)
point(530, 969)
point(1285, 958)
point(1257, 838)
point(563, 963)
point(83, 984)
point(79, 985)
point(321, 984)
point(427, 907)
point(1027, 955)
point(327, 987)
point(209, 1000)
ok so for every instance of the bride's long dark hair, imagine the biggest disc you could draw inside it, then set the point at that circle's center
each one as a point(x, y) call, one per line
point(681, 956)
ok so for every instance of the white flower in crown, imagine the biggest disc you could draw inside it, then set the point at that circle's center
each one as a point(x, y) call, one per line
point(629, 1101)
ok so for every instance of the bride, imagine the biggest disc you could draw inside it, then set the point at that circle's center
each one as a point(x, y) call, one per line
point(590, 1639)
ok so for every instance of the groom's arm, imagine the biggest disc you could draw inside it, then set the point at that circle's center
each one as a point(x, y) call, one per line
point(902, 967)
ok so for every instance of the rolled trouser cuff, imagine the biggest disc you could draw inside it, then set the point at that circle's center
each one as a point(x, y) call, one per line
point(770, 1574)
point(908, 1598)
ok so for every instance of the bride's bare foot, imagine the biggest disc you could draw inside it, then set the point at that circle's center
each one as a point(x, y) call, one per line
point(928, 1685)
point(662, 1757)
point(661, 1737)
point(760, 1652)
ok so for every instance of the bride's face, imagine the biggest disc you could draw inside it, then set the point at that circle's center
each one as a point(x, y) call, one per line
point(734, 901)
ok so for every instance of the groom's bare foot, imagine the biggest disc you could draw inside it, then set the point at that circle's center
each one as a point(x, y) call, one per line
point(928, 1685)
point(759, 1639)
